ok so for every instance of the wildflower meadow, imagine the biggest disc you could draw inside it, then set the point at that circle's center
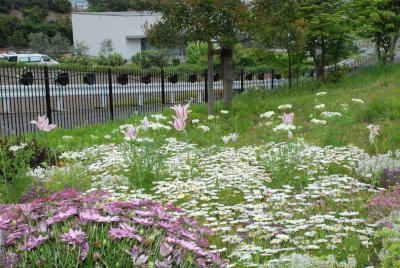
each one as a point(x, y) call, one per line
point(306, 177)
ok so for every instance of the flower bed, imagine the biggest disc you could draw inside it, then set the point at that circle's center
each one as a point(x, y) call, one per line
point(72, 229)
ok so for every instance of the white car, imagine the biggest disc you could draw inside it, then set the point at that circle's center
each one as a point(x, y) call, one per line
point(31, 58)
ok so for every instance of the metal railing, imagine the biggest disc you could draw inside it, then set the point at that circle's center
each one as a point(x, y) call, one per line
point(74, 97)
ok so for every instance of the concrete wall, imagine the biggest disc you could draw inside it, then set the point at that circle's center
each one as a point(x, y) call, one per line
point(93, 28)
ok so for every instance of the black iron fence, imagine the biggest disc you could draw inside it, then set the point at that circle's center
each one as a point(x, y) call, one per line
point(74, 97)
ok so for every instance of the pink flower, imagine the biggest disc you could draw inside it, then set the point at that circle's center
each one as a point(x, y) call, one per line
point(145, 124)
point(42, 124)
point(131, 133)
point(181, 116)
point(373, 132)
point(124, 231)
point(33, 242)
point(165, 249)
point(73, 237)
point(138, 259)
point(181, 111)
point(287, 119)
point(179, 124)
point(62, 216)
point(93, 215)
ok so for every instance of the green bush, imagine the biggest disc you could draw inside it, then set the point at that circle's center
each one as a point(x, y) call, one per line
point(16, 156)
point(113, 59)
point(151, 58)
point(390, 254)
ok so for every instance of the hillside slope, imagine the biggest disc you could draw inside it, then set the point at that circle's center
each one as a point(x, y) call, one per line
point(19, 19)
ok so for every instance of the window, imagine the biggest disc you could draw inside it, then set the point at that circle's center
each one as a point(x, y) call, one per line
point(35, 59)
point(46, 59)
point(13, 59)
point(23, 59)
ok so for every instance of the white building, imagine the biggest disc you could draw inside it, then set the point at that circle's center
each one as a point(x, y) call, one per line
point(125, 29)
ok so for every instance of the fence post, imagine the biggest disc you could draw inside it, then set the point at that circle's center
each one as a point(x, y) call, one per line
point(272, 78)
point(163, 88)
point(206, 86)
point(48, 97)
point(241, 80)
point(110, 94)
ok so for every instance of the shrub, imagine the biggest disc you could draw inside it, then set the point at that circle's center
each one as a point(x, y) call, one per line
point(81, 230)
point(16, 156)
point(390, 252)
point(384, 204)
point(151, 58)
point(113, 59)
point(390, 177)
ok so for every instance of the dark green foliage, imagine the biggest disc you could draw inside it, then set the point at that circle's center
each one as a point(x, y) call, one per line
point(14, 31)
point(8, 25)
point(149, 58)
point(112, 59)
point(16, 156)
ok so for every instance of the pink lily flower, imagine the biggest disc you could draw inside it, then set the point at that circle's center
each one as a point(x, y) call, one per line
point(179, 124)
point(181, 111)
point(373, 132)
point(181, 116)
point(42, 123)
point(145, 124)
point(287, 119)
point(131, 133)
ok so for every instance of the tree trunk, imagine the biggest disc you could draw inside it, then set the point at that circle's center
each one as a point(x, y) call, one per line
point(227, 67)
point(392, 51)
point(323, 58)
point(289, 68)
point(210, 81)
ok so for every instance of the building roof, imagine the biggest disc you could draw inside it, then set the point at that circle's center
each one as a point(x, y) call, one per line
point(124, 13)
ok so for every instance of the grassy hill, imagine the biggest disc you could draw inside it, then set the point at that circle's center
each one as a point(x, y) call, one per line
point(19, 19)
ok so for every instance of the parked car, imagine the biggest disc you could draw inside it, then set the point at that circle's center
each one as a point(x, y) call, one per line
point(30, 58)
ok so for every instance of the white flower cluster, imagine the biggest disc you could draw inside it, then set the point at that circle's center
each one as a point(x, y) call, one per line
point(318, 122)
point(284, 127)
point(204, 128)
point(331, 114)
point(322, 93)
point(370, 166)
point(320, 106)
point(358, 101)
point(15, 148)
point(231, 137)
point(285, 107)
point(268, 114)
point(295, 260)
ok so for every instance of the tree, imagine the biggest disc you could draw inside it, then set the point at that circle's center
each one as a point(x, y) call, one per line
point(39, 42)
point(378, 20)
point(58, 45)
point(81, 49)
point(329, 29)
point(8, 25)
point(278, 24)
point(106, 47)
point(17, 40)
point(61, 6)
point(210, 21)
